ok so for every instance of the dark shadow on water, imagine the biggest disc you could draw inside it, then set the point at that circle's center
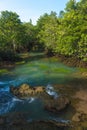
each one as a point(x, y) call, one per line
point(17, 121)
point(34, 57)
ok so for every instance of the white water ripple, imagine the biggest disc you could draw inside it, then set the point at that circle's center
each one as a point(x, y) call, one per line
point(59, 120)
point(50, 91)
point(7, 101)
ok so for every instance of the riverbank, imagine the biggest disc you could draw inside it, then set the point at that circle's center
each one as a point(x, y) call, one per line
point(75, 62)
point(72, 61)
point(77, 93)
point(7, 64)
point(26, 57)
point(23, 57)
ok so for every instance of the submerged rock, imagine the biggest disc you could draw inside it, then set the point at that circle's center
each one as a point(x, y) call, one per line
point(58, 104)
point(19, 121)
point(2, 120)
point(51, 104)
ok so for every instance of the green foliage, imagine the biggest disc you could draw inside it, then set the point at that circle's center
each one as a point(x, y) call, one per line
point(83, 47)
point(10, 28)
point(48, 32)
point(71, 5)
point(61, 14)
point(3, 71)
point(31, 40)
point(66, 34)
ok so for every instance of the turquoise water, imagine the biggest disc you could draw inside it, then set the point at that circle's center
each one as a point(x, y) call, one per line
point(41, 72)
point(38, 70)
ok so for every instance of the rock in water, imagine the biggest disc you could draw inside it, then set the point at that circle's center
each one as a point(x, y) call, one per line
point(25, 90)
point(58, 104)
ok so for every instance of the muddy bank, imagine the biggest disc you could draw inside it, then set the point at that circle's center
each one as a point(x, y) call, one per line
point(81, 105)
point(11, 63)
point(77, 93)
point(6, 64)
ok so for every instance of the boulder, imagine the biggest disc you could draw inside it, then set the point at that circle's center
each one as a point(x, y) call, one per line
point(58, 104)
point(24, 87)
point(39, 89)
point(14, 90)
point(25, 90)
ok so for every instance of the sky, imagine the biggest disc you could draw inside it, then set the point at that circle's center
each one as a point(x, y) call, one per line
point(32, 9)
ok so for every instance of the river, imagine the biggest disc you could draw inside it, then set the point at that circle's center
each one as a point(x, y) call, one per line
point(37, 71)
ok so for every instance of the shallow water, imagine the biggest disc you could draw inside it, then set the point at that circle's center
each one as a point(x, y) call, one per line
point(39, 70)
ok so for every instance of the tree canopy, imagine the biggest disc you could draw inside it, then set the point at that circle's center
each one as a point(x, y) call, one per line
point(65, 34)
point(11, 31)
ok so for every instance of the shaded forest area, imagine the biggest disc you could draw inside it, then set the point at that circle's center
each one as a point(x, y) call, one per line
point(64, 34)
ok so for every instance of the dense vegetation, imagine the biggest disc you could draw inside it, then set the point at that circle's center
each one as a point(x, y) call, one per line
point(65, 34)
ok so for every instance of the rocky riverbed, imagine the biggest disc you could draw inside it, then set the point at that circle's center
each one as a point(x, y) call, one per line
point(43, 95)
point(18, 121)
point(57, 102)
point(77, 94)
point(52, 102)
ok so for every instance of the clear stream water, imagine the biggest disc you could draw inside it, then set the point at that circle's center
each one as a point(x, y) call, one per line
point(38, 70)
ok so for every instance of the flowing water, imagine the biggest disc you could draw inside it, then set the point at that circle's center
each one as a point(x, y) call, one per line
point(38, 70)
